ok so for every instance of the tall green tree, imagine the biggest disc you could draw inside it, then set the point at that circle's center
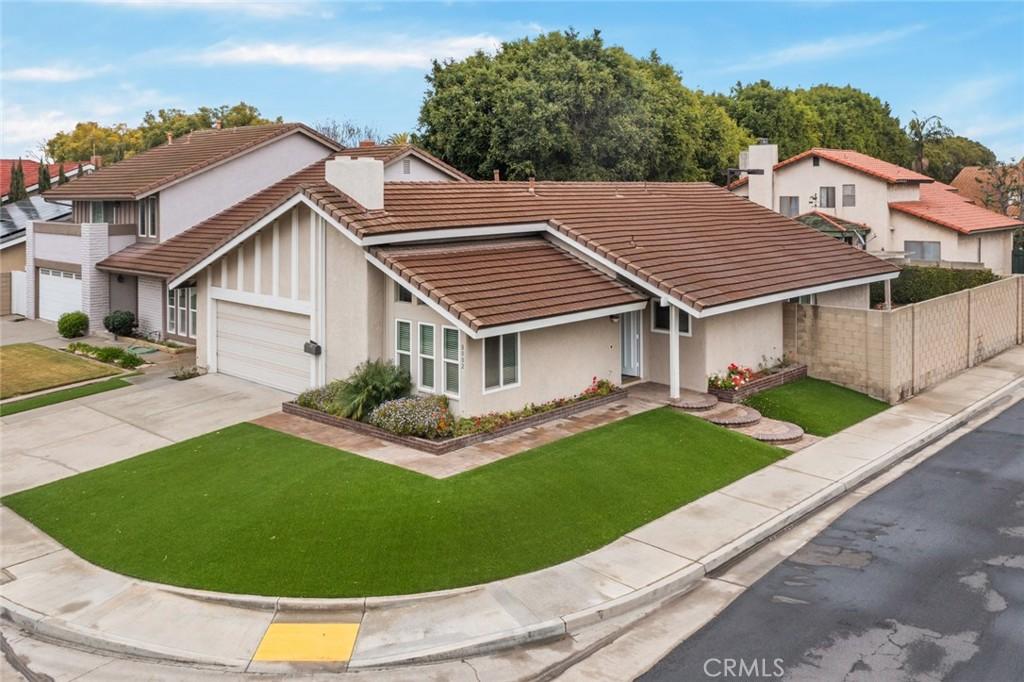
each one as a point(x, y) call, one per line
point(852, 119)
point(567, 107)
point(922, 132)
point(154, 127)
point(61, 175)
point(44, 176)
point(16, 189)
point(777, 114)
point(950, 155)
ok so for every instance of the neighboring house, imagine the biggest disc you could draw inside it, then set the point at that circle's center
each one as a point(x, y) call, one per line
point(854, 234)
point(495, 294)
point(31, 170)
point(909, 215)
point(14, 219)
point(975, 183)
point(134, 206)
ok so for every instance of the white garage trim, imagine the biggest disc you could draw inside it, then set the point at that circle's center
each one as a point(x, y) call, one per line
point(288, 305)
point(263, 345)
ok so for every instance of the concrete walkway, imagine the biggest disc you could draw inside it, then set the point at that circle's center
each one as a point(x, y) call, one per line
point(58, 595)
point(61, 440)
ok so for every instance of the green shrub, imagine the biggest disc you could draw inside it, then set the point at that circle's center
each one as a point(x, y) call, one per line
point(112, 355)
point(120, 323)
point(371, 384)
point(422, 416)
point(918, 283)
point(72, 325)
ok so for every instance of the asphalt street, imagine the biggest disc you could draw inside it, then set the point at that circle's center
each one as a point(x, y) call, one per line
point(924, 580)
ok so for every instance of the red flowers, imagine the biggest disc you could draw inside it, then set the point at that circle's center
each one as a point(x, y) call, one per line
point(735, 376)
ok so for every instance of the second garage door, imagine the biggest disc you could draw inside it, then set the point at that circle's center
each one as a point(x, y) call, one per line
point(59, 292)
point(263, 345)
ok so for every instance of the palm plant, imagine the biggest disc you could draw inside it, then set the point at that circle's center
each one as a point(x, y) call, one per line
point(399, 138)
point(372, 383)
point(921, 132)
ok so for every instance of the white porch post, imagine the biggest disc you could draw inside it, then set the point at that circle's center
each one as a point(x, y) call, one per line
point(673, 352)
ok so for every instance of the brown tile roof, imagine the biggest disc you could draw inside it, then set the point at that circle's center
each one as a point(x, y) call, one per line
point(499, 282)
point(188, 154)
point(889, 172)
point(942, 204)
point(974, 182)
point(694, 241)
point(389, 153)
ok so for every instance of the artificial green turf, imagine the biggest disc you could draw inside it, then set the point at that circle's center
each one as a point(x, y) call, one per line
point(820, 407)
point(60, 396)
point(252, 510)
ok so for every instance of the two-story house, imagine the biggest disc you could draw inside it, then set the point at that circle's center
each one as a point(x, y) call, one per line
point(130, 208)
point(906, 214)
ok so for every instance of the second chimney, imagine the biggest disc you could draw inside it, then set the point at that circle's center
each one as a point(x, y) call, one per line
point(360, 178)
point(367, 143)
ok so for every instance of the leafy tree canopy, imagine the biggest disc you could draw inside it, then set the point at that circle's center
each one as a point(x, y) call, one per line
point(778, 114)
point(561, 106)
point(946, 157)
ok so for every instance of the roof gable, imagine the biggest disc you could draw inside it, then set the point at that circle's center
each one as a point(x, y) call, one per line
point(869, 165)
point(392, 153)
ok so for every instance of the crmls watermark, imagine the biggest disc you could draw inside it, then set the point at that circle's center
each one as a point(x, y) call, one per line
point(745, 668)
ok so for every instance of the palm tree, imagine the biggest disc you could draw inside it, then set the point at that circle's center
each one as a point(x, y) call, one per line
point(922, 131)
point(399, 138)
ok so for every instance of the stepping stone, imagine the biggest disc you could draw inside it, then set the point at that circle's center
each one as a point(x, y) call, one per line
point(773, 431)
point(731, 415)
point(694, 401)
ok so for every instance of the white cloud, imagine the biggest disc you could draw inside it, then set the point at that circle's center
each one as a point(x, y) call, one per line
point(23, 130)
point(265, 9)
point(414, 53)
point(819, 50)
point(56, 73)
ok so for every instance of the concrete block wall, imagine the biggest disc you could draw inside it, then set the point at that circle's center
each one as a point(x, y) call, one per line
point(94, 247)
point(893, 354)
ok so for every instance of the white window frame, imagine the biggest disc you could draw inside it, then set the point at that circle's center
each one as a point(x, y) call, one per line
point(791, 197)
point(172, 311)
point(853, 196)
point(821, 196)
point(922, 242)
point(146, 219)
point(445, 361)
point(412, 367)
point(180, 302)
point(656, 330)
point(420, 357)
point(502, 386)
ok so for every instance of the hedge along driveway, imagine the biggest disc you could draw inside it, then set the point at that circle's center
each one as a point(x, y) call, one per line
point(252, 510)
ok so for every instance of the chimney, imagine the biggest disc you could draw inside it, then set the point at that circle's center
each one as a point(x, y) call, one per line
point(497, 175)
point(761, 188)
point(217, 124)
point(367, 143)
point(96, 160)
point(360, 178)
point(170, 138)
point(533, 184)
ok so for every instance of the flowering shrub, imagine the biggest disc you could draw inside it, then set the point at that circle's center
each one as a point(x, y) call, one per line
point(492, 421)
point(734, 377)
point(421, 415)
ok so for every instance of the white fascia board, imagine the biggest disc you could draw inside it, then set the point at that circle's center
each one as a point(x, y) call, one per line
point(806, 291)
point(559, 320)
point(455, 233)
point(299, 198)
point(13, 242)
point(289, 305)
point(423, 298)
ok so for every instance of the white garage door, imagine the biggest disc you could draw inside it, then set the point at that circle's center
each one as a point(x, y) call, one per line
point(59, 292)
point(263, 345)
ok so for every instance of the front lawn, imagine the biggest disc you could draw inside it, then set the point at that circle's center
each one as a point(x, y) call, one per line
point(819, 407)
point(252, 510)
point(28, 367)
point(54, 397)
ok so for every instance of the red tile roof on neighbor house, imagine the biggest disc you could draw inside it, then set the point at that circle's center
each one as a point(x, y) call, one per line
point(943, 205)
point(170, 161)
point(884, 170)
point(694, 241)
point(974, 183)
point(499, 282)
point(31, 170)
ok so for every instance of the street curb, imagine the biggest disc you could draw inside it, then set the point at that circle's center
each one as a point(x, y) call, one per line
point(639, 601)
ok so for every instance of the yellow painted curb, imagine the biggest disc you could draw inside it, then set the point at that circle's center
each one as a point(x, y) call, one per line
point(307, 642)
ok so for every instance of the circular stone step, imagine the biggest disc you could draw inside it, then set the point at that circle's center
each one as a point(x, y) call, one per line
point(731, 414)
point(694, 401)
point(773, 431)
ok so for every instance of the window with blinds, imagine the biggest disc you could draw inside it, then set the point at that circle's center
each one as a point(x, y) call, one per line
point(403, 345)
point(501, 361)
point(426, 357)
point(450, 340)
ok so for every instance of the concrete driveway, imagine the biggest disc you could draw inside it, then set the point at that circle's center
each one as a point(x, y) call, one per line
point(14, 329)
point(61, 440)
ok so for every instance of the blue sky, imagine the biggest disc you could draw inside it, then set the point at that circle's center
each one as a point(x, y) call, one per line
point(111, 60)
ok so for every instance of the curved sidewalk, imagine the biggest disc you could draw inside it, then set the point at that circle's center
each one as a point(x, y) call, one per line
point(48, 589)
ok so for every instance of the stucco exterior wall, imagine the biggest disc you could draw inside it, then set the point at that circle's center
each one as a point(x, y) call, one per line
point(991, 249)
point(124, 295)
point(13, 258)
point(195, 199)
point(59, 247)
point(418, 172)
point(850, 297)
point(692, 362)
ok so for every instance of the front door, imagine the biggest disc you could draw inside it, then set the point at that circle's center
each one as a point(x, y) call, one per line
point(630, 330)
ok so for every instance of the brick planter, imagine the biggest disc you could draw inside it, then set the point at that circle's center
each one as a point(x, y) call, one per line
point(440, 447)
point(737, 395)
